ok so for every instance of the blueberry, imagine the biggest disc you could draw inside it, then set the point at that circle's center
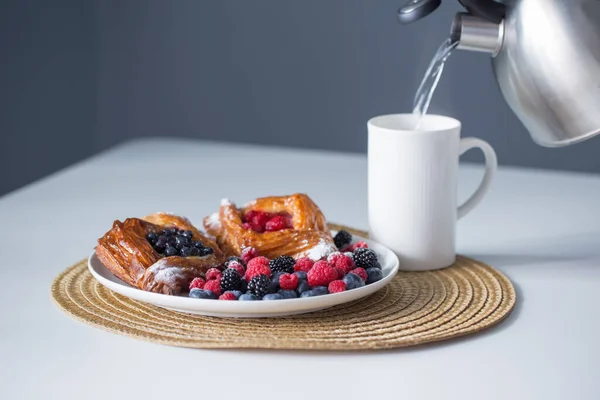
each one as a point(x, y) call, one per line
point(165, 232)
point(195, 252)
point(188, 234)
point(151, 237)
point(275, 281)
point(353, 281)
point(321, 290)
point(198, 244)
point(205, 251)
point(248, 297)
point(173, 231)
point(172, 242)
point(303, 286)
point(272, 296)
point(243, 285)
point(374, 275)
point(301, 275)
point(185, 252)
point(288, 294)
point(202, 294)
point(170, 251)
point(182, 241)
point(310, 293)
point(161, 242)
point(237, 293)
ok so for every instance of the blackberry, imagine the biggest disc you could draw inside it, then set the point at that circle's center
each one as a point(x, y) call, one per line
point(231, 280)
point(365, 258)
point(342, 239)
point(283, 264)
point(259, 285)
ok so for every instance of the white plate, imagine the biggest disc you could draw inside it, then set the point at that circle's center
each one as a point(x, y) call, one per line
point(248, 309)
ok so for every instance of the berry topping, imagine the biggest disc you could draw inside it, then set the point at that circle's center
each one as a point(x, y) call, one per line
point(185, 251)
point(214, 286)
point(227, 296)
point(365, 258)
point(151, 237)
point(336, 287)
point(259, 285)
point(288, 281)
point(247, 226)
point(257, 220)
point(205, 251)
point(321, 274)
point(360, 272)
point(231, 280)
point(202, 294)
point(353, 281)
point(276, 223)
point(342, 239)
point(170, 251)
point(213, 274)
point(197, 283)
point(236, 265)
point(248, 297)
point(288, 294)
point(257, 266)
point(304, 264)
point(176, 242)
point(374, 275)
point(282, 264)
point(248, 254)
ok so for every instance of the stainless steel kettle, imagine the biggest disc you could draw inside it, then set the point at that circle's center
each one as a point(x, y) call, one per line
point(545, 55)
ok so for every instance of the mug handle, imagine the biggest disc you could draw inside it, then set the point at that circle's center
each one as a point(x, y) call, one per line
point(491, 166)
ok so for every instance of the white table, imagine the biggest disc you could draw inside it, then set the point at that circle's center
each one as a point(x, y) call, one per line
point(541, 228)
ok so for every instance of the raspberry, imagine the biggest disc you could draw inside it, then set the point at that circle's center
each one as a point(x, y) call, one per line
point(213, 274)
point(257, 266)
point(258, 220)
point(248, 254)
point(247, 226)
point(213, 286)
point(227, 296)
point(336, 287)
point(331, 258)
point(237, 266)
point(360, 245)
point(340, 272)
point(347, 249)
point(360, 272)
point(345, 263)
point(197, 283)
point(288, 281)
point(321, 274)
point(304, 264)
point(276, 223)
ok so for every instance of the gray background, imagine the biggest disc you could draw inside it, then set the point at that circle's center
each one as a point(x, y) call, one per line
point(77, 77)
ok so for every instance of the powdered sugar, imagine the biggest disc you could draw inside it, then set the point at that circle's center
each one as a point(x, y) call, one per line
point(213, 221)
point(249, 204)
point(322, 249)
point(165, 273)
point(225, 202)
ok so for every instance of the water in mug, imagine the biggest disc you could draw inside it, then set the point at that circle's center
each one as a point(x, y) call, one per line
point(431, 79)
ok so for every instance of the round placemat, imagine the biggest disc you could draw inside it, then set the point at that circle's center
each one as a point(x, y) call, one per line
point(415, 308)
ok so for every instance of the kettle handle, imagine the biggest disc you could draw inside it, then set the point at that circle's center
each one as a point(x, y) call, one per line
point(487, 9)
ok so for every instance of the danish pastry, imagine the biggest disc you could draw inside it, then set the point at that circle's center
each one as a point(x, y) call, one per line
point(159, 253)
point(275, 226)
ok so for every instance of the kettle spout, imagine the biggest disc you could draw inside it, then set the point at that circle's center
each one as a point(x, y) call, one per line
point(477, 34)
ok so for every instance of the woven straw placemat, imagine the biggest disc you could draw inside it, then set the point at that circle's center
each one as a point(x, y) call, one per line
point(415, 308)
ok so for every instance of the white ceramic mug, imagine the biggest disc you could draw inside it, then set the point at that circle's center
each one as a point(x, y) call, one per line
point(413, 186)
